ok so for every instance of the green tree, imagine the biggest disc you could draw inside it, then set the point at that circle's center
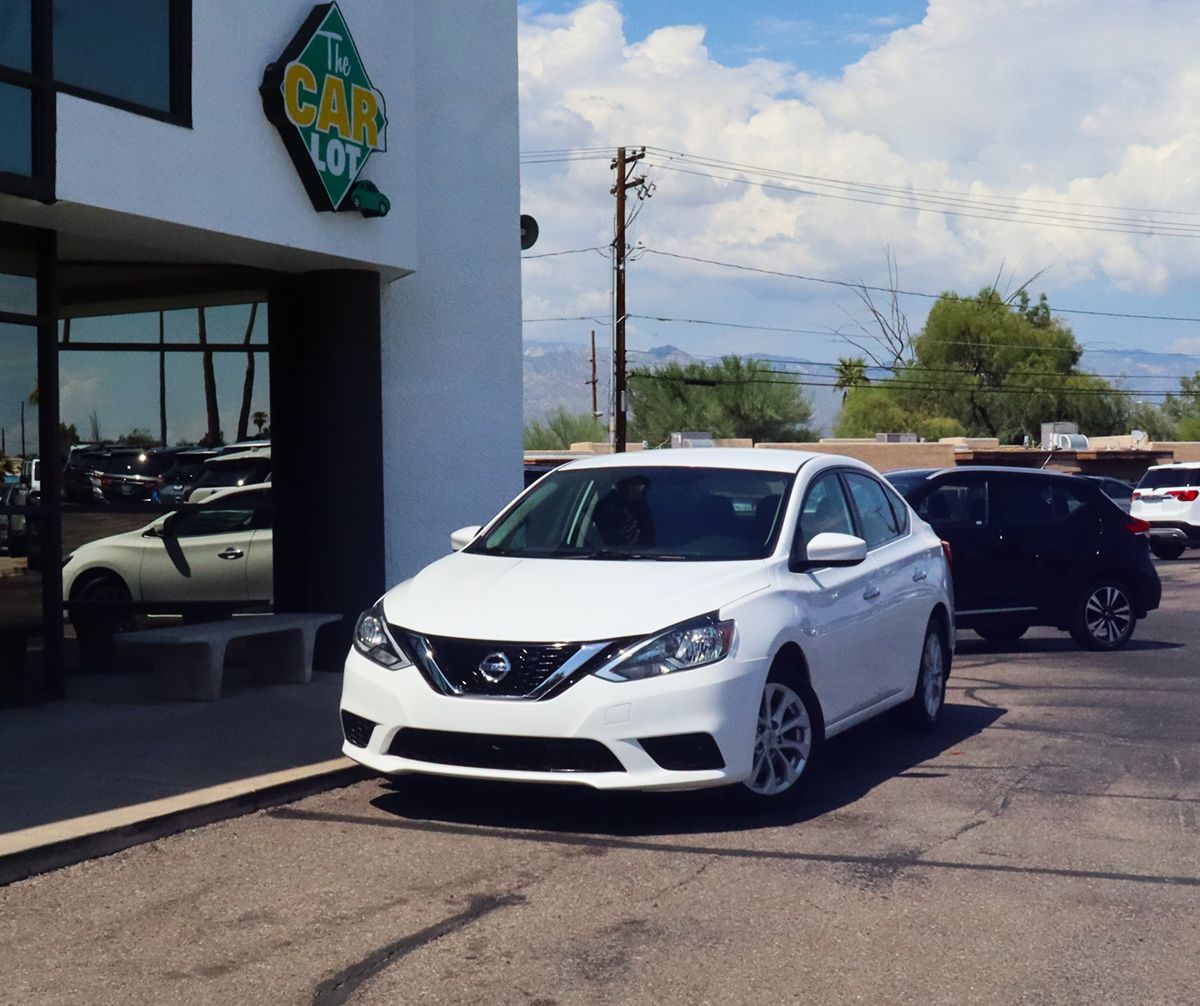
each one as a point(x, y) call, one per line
point(138, 437)
point(851, 374)
point(68, 437)
point(560, 429)
point(1003, 367)
point(731, 398)
point(1184, 408)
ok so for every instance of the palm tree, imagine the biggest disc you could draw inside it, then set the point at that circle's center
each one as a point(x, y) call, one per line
point(259, 419)
point(248, 383)
point(851, 373)
point(213, 437)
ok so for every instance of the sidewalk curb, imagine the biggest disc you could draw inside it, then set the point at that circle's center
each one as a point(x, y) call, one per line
point(48, 847)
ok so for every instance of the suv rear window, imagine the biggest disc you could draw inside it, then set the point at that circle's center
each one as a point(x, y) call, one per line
point(136, 464)
point(234, 473)
point(1170, 478)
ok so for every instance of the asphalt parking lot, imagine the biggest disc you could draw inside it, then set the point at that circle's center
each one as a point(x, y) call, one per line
point(1044, 847)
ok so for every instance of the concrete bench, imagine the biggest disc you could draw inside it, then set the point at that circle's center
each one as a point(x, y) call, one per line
point(188, 660)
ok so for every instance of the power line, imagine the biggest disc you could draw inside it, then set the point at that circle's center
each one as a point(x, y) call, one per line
point(904, 293)
point(950, 194)
point(1038, 217)
point(567, 251)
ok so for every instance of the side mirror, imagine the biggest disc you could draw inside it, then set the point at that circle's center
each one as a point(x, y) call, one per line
point(830, 549)
point(463, 537)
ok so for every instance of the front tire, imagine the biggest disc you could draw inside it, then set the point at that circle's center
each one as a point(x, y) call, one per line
point(1166, 550)
point(1103, 617)
point(789, 736)
point(924, 709)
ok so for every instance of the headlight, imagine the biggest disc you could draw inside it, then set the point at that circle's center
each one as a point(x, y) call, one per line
point(701, 641)
point(371, 639)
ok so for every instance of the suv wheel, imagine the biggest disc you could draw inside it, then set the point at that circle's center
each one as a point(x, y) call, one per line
point(1166, 550)
point(1103, 618)
point(787, 742)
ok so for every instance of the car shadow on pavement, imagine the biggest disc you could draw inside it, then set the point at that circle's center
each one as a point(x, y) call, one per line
point(855, 763)
point(970, 645)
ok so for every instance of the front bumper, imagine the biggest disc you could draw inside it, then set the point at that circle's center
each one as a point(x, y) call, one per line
point(720, 700)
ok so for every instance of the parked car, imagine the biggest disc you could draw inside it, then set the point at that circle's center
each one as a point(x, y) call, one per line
point(1117, 490)
point(1037, 548)
point(661, 620)
point(241, 468)
point(31, 474)
point(182, 475)
point(6, 494)
point(81, 475)
point(219, 552)
point(1168, 499)
point(20, 527)
point(132, 474)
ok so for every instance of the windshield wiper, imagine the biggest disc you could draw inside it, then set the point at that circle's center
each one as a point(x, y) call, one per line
point(618, 554)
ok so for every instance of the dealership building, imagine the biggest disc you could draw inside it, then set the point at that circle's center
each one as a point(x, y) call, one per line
point(226, 222)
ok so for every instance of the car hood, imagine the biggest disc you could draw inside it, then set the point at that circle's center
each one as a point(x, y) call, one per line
point(557, 600)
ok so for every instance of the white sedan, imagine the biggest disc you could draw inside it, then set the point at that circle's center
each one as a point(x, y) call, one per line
point(665, 620)
point(221, 551)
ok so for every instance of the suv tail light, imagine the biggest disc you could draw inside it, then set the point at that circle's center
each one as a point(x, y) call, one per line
point(1135, 525)
point(949, 554)
point(1184, 495)
point(1137, 495)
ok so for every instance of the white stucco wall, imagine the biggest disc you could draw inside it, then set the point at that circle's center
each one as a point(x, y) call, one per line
point(226, 189)
point(452, 331)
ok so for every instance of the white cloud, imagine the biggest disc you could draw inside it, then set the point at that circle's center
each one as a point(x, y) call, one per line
point(1088, 102)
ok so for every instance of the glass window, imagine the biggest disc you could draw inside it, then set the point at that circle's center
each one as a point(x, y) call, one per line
point(875, 514)
point(825, 509)
point(644, 512)
point(1170, 478)
point(119, 48)
point(18, 394)
point(956, 503)
point(16, 128)
point(1026, 502)
point(211, 521)
point(15, 47)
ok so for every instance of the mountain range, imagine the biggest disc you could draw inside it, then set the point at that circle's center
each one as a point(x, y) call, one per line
point(558, 373)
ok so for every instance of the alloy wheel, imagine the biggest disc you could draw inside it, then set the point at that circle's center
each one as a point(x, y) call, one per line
point(1108, 614)
point(933, 674)
point(782, 742)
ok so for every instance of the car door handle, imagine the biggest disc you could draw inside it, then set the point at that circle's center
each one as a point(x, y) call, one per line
point(231, 553)
point(870, 593)
point(919, 575)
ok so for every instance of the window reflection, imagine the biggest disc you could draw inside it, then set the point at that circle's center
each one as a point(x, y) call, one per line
point(119, 48)
point(16, 127)
point(15, 46)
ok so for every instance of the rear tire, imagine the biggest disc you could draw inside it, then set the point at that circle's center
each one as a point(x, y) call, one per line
point(789, 738)
point(924, 709)
point(95, 629)
point(1103, 617)
point(1166, 550)
point(1002, 632)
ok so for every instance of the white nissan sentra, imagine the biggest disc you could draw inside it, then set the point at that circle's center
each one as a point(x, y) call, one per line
point(659, 620)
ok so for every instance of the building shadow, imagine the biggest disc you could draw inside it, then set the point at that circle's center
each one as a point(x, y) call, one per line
point(855, 763)
point(969, 645)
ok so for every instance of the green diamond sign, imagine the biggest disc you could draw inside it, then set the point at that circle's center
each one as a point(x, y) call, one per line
point(319, 97)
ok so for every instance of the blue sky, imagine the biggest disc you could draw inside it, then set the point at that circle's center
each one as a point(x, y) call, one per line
point(819, 37)
point(1073, 110)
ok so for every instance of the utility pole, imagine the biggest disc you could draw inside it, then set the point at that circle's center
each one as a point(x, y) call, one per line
point(22, 427)
point(623, 164)
point(594, 381)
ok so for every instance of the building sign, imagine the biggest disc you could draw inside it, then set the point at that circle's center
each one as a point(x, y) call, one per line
point(319, 97)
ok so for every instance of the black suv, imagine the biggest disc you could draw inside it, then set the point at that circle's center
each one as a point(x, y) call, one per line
point(1037, 548)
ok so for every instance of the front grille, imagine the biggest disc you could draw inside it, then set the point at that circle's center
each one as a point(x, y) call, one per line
point(498, 751)
point(683, 752)
point(452, 666)
point(356, 729)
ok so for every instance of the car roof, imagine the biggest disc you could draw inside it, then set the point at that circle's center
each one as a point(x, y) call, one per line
point(1175, 464)
point(225, 459)
point(743, 458)
point(224, 494)
point(999, 470)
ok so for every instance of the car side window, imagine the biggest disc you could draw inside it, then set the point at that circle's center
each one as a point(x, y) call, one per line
point(1027, 503)
point(875, 514)
point(825, 509)
point(956, 503)
point(211, 521)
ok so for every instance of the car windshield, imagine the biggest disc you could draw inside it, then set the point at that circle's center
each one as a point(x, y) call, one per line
point(185, 469)
point(1170, 478)
point(140, 463)
point(234, 473)
point(662, 513)
point(906, 482)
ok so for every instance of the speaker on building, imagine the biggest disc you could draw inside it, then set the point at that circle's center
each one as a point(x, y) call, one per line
point(529, 232)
